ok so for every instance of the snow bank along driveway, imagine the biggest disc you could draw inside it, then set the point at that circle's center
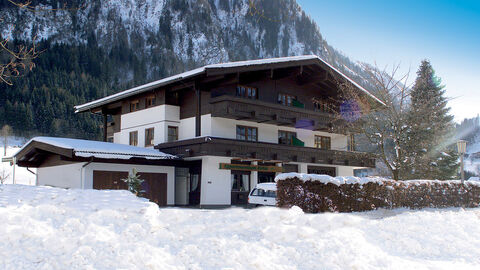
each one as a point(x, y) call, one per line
point(50, 228)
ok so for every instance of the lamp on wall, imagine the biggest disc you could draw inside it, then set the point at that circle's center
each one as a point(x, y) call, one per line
point(462, 149)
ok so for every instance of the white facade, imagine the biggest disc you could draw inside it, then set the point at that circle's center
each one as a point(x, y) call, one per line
point(160, 117)
point(157, 117)
point(80, 175)
point(216, 183)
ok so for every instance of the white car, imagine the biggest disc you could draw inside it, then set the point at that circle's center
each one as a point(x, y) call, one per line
point(263, 194)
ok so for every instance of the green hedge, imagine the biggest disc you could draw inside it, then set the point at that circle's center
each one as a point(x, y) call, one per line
point(318, 196)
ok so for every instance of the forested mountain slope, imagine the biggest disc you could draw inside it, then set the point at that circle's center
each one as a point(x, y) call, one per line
point(97, 47)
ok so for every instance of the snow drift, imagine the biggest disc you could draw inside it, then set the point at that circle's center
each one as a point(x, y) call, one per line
point(51, 228)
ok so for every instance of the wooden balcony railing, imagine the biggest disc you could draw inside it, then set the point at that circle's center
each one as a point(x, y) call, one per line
point(213, 146)
point(270, 113)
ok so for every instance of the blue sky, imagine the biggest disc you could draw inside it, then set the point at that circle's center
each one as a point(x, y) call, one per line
point(404, 32)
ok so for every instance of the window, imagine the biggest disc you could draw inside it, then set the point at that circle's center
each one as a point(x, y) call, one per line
point(134, 105)
point(172, 133)
point(247, 133)
point(149, 136)
point(323, 106)
point(133, 140)
point(286, 99)
point(150, 101)
point(247, 92)
point(286, 137)
point(322, 142)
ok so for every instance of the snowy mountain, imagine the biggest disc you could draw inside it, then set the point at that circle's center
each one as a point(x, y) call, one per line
point(184, 33)
point(93, 48)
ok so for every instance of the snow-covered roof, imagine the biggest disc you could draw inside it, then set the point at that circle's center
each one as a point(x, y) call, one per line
point(202, 70)
point(96, 149)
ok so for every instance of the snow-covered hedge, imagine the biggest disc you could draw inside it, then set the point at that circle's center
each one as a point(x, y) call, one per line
point(321, 193)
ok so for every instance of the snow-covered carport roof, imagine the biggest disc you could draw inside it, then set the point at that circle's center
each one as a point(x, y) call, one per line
point(224, 68)
point(38, 149)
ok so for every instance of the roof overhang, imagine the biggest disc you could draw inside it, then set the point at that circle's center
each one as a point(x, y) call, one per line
point(225, 68)
point(35, 152)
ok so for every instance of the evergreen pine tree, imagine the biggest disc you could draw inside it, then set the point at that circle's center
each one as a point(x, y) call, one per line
point(134, 182)
point(434, 156)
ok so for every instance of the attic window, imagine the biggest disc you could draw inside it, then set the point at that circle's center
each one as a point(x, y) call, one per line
point(150, 101)
point(247, 92)
point(134, 105)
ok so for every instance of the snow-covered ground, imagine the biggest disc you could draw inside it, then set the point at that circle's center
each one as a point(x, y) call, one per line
point(51, 228)
point(22, 175)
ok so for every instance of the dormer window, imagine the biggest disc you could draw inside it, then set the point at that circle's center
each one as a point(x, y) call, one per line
point(150, 101)
point(247, 92)
point(134, 105)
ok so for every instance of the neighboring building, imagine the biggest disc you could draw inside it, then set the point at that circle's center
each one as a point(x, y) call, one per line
point(73, 163)
point(238, 124)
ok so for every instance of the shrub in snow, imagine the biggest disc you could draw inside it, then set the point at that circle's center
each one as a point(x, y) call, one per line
point(134, 182)
point(321, 193)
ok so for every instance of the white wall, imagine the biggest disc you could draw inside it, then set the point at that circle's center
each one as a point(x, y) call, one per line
point(186, 128)
point(64, 176)
point(158, 117)
point(170, 171)
point(226, 128)
point(71, 175)
point(216, 184)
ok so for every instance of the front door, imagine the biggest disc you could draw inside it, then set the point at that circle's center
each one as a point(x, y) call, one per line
point(240, 181)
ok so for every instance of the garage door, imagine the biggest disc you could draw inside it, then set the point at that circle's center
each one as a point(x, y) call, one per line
point(154, 184)
point(109, 180)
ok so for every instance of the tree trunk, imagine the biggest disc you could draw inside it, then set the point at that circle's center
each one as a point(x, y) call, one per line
point(395, 174)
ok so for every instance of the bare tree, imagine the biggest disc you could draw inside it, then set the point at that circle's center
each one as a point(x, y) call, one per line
point(3, 176)
point(6, 131)
point(384, 127)
point(16, 62)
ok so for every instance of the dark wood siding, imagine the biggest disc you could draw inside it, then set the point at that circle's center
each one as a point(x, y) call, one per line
point(159, 99)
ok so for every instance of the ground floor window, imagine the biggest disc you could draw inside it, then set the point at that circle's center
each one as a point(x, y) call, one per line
point(240, 181)
point(133, 138)
point(172, 133)
point(266, 177)
point(322, 170)
point(149, 136)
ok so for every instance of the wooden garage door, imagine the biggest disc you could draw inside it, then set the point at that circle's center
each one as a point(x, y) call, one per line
point(109, 180)
point(154, 184)
point(155, 187)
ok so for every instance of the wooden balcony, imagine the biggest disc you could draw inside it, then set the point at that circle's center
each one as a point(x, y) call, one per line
point(213, 146)
point(270, 113)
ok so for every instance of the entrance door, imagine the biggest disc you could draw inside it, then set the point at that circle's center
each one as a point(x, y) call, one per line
point(240, 181)
point(181, 186)
point(266, 177)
